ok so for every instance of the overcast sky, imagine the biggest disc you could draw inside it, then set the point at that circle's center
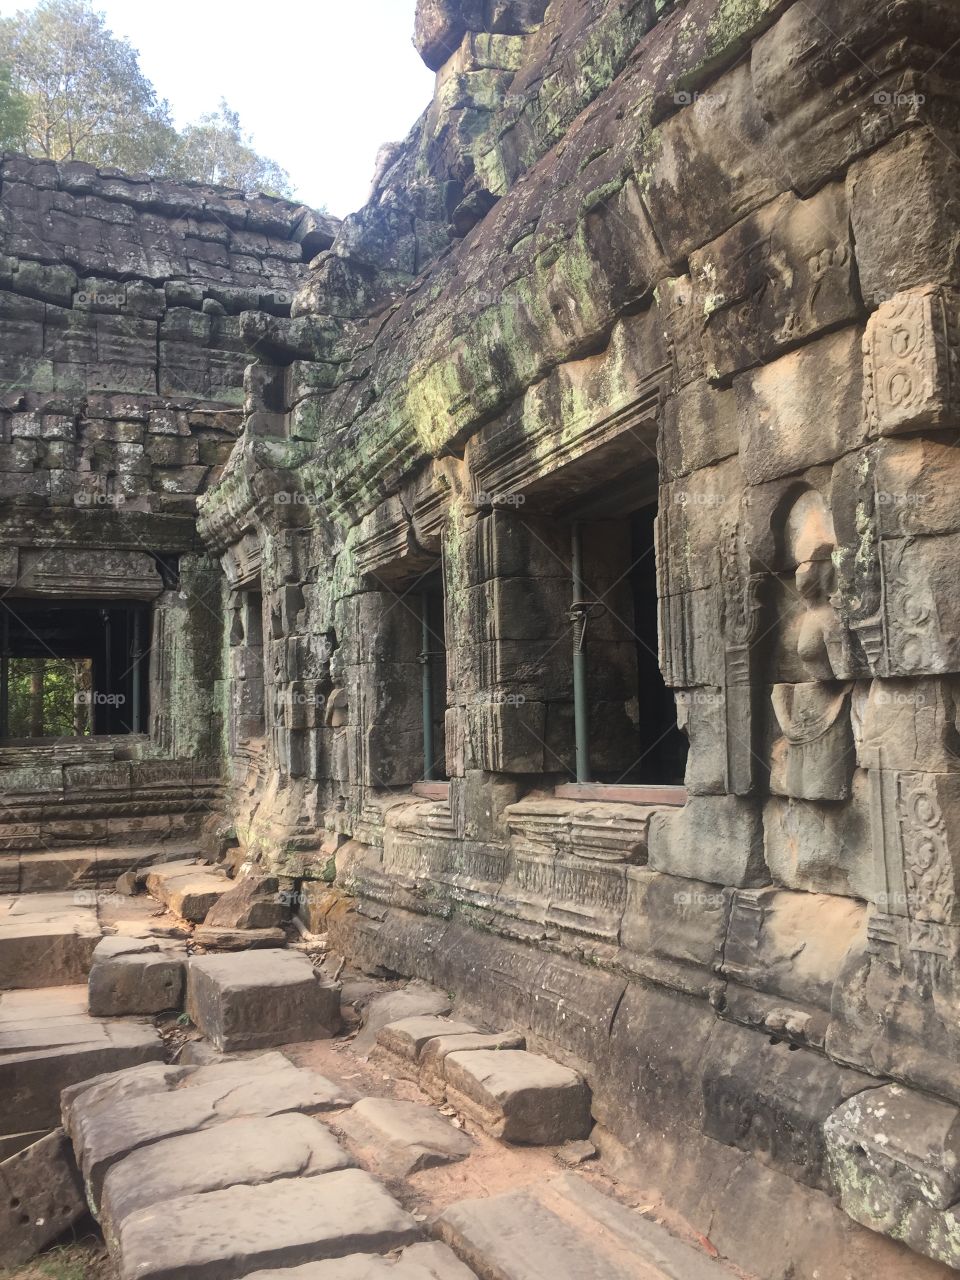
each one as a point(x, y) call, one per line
point(319, 83)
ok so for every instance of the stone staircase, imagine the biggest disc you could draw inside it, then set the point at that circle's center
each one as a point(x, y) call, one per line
point(238, 1161)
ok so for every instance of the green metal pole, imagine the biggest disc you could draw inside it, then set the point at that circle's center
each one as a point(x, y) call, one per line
point(426, 679)
point(579, 614)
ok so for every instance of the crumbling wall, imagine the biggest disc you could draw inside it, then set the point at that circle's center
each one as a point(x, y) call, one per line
point(129, 311)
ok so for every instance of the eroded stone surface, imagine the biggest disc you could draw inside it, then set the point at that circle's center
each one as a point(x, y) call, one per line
point(245, 1150)
point(566, 1228)
point(243, 1228)
point(108, 1122)
point(42, 1197)
point(403, 1137)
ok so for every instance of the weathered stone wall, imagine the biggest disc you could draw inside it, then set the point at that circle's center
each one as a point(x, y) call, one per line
point(128, 314)
point(704, 250)
point(701, 254)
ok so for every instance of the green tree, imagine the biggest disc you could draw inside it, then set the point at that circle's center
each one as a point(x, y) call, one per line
point(87, 97)
point(14, 114)
point(75, 91)
point(215, 149)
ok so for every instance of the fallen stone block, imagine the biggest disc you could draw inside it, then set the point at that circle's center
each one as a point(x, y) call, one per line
point(188, 890)
point(134, 976)
point(107, 1128)
point(253, 903)
point(401, 1138)
point(41, 1196)
point(247, 1150)
point(230, 1233)
point(252, 1000)
point(566, 1228)
point(894, 1157)
point(519, 1096)
point(412, 1001)
point(431, 1261)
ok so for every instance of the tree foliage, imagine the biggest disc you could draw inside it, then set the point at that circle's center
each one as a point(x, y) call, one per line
point(216, 150)
point(14, 114)
point(72, 90)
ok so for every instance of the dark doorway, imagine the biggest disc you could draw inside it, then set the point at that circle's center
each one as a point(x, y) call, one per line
point(661, 747)
point(73, 669)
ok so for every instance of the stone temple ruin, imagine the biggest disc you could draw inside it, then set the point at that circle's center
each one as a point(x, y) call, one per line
point(548, 575)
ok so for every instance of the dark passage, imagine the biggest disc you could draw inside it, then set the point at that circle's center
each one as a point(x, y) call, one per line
point(73, 669)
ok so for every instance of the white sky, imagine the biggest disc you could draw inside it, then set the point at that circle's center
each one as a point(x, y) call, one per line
point(320, 84)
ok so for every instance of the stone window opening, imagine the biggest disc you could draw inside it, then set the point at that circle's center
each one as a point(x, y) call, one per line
point(625, 720)
point(74, 669)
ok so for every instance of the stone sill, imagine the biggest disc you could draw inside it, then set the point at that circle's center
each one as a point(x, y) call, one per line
point(610, 794)
point(93, 748)
point(431, 790)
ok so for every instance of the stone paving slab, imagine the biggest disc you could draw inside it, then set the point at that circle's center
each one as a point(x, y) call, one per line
point(225, 1235)
point(252, 1000)
point(247, 1150)
point(566, 1230)
point(431, 1261)
point(105, 1129)
point(48, 1041)
point(46, 939)
point(96, 867)
point(400, 1138)
point(41, 1197)
point(519, 1096)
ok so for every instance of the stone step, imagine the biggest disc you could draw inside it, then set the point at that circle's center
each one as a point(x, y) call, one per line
point(46, 939)
point(566, 1229)
point(518, 1096)
point(415, 1048)
point(136, 976)
point(48, 1041)
point(257, 999)
point(97, 867)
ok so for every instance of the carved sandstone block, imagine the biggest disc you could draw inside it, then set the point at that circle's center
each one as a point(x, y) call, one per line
point(777, 278)
point(901, 202)
point(780, 430)
point(910, 361)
